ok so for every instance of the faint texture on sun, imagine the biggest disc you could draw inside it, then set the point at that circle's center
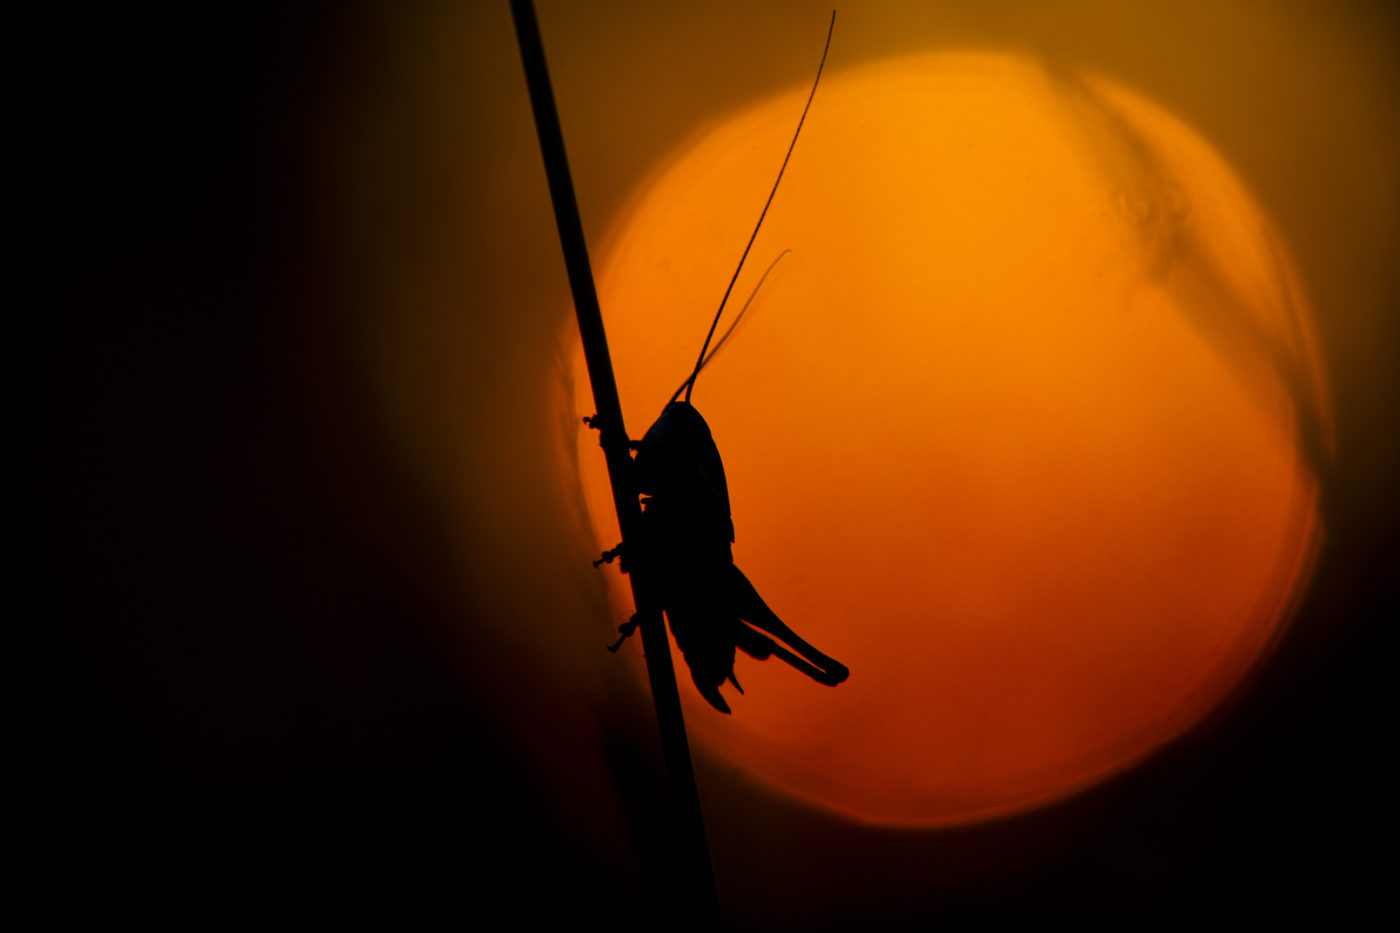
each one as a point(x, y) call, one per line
point(1025, 430)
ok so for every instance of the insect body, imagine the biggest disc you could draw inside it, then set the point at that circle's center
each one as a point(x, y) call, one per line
point(687, 555)
point(688, 532)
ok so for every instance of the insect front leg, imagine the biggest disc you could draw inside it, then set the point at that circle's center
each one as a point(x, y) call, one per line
point(626, 628)
point(593, 422)
point(609, 556)
point(614, 553)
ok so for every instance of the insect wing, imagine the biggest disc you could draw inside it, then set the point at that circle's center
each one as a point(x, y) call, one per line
point(679, 466)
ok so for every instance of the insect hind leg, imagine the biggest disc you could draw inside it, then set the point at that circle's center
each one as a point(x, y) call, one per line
point(750, 607)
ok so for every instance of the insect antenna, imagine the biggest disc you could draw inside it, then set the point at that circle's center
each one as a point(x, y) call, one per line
point(689, 384)
point(730, 329)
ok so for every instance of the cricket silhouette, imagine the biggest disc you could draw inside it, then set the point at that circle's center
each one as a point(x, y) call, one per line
point(687, 530)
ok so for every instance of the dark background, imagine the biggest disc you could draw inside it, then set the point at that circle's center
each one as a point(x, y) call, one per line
point(296, 621)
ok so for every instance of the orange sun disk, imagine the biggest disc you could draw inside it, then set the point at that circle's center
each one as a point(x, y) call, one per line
point(1006, 433)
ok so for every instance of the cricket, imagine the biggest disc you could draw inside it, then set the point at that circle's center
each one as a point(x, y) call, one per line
point(687, 535)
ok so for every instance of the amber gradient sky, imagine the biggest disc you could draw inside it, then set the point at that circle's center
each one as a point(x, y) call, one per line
point(297, 590)
point(1009, 432)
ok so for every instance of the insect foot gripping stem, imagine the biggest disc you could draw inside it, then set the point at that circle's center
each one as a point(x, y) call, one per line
point(593, 422)
point(610, 556)
point(626, 628)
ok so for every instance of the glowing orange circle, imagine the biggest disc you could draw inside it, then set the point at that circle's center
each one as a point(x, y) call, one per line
point(1006, 433)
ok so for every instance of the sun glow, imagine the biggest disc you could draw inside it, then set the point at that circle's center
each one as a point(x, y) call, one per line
point(1022, 431)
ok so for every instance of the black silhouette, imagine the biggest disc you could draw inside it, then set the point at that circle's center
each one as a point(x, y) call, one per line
point(686, 551)
point(687, 530)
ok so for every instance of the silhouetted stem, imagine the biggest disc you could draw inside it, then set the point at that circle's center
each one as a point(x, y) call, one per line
point(699, 873)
